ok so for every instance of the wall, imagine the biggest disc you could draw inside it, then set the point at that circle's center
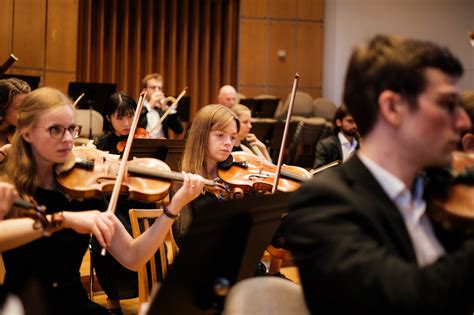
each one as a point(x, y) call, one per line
point(350, 22)
point(43, 35)
point(294, 27)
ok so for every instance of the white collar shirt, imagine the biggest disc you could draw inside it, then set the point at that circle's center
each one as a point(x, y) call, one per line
point(152, 119)
point(412, 207)
point(348, 148)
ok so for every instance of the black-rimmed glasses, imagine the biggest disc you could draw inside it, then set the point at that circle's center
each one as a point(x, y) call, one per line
point(57, 132)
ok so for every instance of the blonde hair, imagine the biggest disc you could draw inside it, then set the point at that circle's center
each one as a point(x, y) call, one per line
point(8, 89)
point(150, 76)
point(19, 160)
point(209, 118)
point(238, 109)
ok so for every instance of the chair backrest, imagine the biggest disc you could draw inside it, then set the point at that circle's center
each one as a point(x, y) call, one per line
point(324, 108)
point(265, 295)
point(87, 118)
point(148, 277)
point(302, 107)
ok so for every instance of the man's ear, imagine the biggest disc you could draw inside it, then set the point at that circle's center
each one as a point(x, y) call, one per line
point(338, 122)
point(390, 107)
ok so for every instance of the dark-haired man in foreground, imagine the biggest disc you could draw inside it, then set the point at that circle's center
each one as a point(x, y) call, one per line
point(360, 232)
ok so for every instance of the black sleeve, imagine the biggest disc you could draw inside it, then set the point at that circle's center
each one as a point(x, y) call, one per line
point(346, 264)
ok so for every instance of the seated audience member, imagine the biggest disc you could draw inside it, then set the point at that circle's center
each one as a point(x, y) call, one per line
point(342, 144)
point(227, 96)
point(360, 232)
point(154, 108)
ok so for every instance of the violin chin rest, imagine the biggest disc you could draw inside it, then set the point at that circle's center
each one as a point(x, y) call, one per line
point(66, 166)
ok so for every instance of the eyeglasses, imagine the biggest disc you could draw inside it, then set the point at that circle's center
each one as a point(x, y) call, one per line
point(57, 132)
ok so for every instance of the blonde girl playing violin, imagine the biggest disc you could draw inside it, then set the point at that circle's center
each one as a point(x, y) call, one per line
point(210, 141)
point(246, 141)
point(44, 137)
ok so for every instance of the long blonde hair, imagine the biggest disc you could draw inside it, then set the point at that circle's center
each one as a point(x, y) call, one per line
point(209, 118)
point(19, 160)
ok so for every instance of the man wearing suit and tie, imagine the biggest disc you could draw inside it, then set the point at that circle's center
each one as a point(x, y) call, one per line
point(360, 232)
point(342, 144)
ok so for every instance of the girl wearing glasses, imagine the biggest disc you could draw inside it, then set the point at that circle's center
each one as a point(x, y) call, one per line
point(44, 137)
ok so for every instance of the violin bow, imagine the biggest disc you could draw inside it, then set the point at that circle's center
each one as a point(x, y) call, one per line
point(158, 126)
point(285, 133)
point(7, 64)
point(123, 164)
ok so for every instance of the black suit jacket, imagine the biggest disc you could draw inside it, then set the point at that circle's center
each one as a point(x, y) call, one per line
point(355, 255)
point(328, 150)
point(172, 122)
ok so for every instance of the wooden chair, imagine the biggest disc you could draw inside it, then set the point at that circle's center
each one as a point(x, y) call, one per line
point(148, 277)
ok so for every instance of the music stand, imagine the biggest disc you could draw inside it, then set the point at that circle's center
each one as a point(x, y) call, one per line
point(168, 150)
point(252, 104)
point(95, 97)
point(268, 107)
point(223, 246)
point(32, 80)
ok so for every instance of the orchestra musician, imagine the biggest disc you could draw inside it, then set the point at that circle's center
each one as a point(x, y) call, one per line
point(44, 138)
point(12, 93)
point(360, 232)
point(117, 281)
point(227, 96)
point(246, 141)
point(342, 144)
point(209, 143)
point(154, 108)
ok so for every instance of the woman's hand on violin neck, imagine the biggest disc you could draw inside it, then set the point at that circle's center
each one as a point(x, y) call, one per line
point(100, 224)
point(192, 187)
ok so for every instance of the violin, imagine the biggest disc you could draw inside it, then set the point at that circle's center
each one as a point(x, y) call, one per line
point(451, 193)
point(38, 213)
point(251, 173)
point(92, 173)
point(139, 133)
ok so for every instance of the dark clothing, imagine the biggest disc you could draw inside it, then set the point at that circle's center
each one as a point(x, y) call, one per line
point(172, 121)
point(53, 262)
point(117, 281)
point(187, 214)
point(355, 255)
point(109, 142)
point(328, 150)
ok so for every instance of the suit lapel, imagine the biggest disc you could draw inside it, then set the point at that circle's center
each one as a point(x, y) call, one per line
point(377, 203)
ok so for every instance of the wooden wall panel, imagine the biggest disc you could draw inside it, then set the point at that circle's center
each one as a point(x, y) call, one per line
point(282, 37)
point(58, 80)
point(29, 32)
point(252, 8)
point(252, 51)
point(310, 9)
point(6, 20)
point(251, 91)
point(283, 9)
point(309, 53)
point(293, 26)
point(61, 38)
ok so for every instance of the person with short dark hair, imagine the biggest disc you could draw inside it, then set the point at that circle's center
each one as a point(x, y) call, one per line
point(342, 144)
point(360, 232)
